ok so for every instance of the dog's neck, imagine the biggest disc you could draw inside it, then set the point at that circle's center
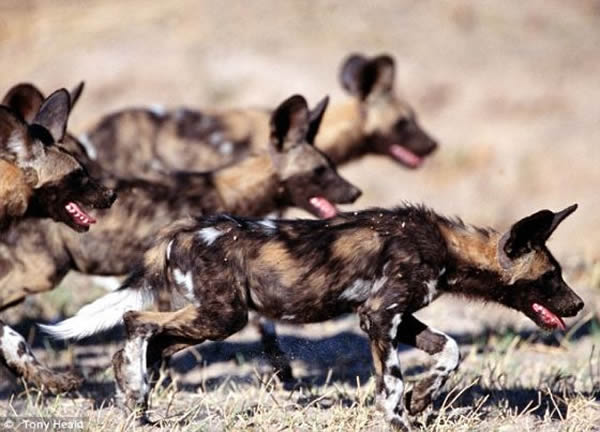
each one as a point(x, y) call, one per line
point(341, 135)
point(250, 187)
point(474, 269)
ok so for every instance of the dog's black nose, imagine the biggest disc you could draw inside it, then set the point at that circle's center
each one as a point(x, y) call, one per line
point(579, 305)
point(355, 193)
point(432, 146)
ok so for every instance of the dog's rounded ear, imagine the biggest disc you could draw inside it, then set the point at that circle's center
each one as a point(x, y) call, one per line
point(54, 114)
point(315, 118)
point(533, 230)
point(363, 78)
point(25, 100)
point(14, 142)
point(76, 93)
point(289, 123)
point(350, 73)
point(379, 75)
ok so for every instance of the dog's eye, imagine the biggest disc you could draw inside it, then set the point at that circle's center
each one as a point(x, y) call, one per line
point(319, 171)
point(402, 123)
point(549, 282)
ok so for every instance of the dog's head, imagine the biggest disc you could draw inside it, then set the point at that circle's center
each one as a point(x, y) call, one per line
point(390, 124)
point(535, 285)
point(310, 180)
point(61, 185)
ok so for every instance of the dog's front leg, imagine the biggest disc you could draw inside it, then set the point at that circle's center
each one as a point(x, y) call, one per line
point(445, 353)
point(389, 383)
point(277, 357)
point(16, 353)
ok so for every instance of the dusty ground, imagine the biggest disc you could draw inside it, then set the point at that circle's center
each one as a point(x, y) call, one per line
point(510, 89)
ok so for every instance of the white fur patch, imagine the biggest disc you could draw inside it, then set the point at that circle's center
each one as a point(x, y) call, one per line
point(88, 146)
point(9, 344)
point(157, 109)
point(155, 164)
point(185, 280)
point(394, 386)
point(449, 357)
point(395, 323)
point(16, 142)
point(169, 247)
point(210, 234)
point(392, 306)
point(257, 302)
point(358, 291)
point(226, 148)
point(288, 317)
point(134, 353)
point(431, 289)
point(379, 283)
point(268, 224)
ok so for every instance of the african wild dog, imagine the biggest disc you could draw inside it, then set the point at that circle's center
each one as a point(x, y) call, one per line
point(37, 176)
point(203, 276)
point(35, 254)
point(147, 143)
point(150, 143)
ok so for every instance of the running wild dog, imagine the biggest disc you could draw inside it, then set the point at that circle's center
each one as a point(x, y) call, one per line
point(37, 176)
point(202, 277)
point(35, 255)
point(147, 143)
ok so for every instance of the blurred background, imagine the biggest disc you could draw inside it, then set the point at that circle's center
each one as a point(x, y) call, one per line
point(510, 89)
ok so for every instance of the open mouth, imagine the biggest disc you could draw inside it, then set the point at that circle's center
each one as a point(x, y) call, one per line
point(405, 156)
point(78, 215)
point(323, 207)
point(549, 319)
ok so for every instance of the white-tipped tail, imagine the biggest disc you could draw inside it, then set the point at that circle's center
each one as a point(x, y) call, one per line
point(100, 315)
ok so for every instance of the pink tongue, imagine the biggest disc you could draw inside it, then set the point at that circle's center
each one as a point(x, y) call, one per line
point(405, 156)
point(79, 216)
point(548, 317)
point(325, 208)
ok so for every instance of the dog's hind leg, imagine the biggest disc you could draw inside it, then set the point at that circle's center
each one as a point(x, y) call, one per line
point(445, 353)
point(16, 354)
point(277, 357)
point(165, 333)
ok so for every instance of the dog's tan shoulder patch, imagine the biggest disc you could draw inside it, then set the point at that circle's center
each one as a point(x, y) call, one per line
point(276, 257)
point(355, 244)
point(14, 190)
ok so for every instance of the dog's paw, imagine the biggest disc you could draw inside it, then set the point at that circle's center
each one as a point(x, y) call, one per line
point(56, 382)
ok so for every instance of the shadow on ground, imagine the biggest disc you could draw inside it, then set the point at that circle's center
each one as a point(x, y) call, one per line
point(340, 358)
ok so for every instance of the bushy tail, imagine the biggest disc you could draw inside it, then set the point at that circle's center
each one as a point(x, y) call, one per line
point(137, 292)
point(102, 314)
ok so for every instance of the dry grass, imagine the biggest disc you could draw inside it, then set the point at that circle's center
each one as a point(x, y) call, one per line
point(507, 384)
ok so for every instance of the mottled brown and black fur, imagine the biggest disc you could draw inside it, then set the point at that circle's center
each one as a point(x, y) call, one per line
point(149, 143)
point(36, 254)
point(38, 179)
point(37, 176)
point(203, 276)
